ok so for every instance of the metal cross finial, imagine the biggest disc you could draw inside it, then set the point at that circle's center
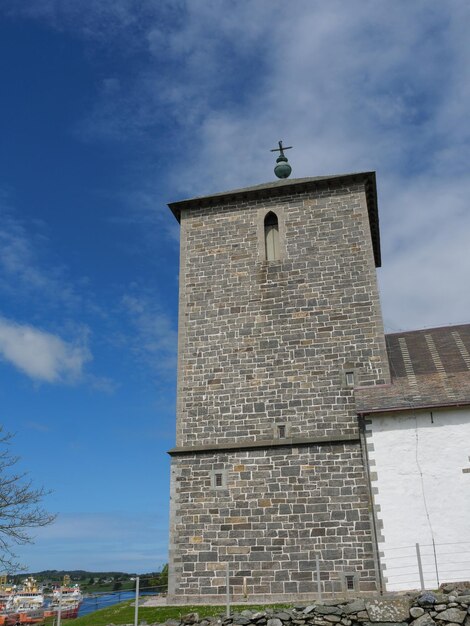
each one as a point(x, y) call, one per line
point(281, 148)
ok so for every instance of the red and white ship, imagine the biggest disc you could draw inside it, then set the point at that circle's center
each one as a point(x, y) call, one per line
point(27, 605)
point(67, 600)
point(22, 605)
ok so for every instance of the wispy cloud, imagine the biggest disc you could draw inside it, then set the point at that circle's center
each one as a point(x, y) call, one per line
point(102, 383)
point(100, 541)
point(38, 426)
point(426, 262)
point(353, 86)
point(146, 208)
point(40, 355)
point(23, 273)
point(101, 20)
point(155, 338)
point(38, 287)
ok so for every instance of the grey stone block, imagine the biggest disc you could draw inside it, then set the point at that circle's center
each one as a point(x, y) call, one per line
point(387, 623)
point(390, 610)
point(354, 607)
point(453, 615)
point(327, 610)
point(424, 620)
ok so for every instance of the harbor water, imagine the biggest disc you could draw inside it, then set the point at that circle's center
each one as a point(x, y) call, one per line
point(102, 601)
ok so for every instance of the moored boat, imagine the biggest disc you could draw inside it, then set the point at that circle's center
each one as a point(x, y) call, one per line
point(26, 604)
point(33, 616)
point(68, 599)
point(21, 605)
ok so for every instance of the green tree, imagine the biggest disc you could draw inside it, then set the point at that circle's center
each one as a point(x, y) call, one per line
point(163, 578)
point(20, 508)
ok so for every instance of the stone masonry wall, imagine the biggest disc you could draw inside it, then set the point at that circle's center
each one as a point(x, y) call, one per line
point(278, 509)
point(266, 342)
point(263, 344)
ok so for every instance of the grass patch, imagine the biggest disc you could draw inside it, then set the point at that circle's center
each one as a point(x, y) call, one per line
point(123, 613)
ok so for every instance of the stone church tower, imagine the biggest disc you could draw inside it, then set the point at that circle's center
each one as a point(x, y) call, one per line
point(279, 322)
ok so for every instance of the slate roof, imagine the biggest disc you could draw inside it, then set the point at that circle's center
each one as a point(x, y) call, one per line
point(429, 368)
point(290, 186)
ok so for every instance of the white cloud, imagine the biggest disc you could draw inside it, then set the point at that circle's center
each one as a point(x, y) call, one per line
point(38, 426)
point(103, 383)
point(98, 20)
point(41, 355)
point(100, 541)
point(22, 272)
point(155, 338)
point(425, 250)
point(361, 86)
point(146, 210)
point(99, 526)
point(352, 85)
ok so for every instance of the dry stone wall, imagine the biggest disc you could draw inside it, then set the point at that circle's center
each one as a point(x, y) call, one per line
point(425, 609)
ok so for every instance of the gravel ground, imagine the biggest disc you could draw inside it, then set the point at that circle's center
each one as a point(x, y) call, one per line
point(153, 601)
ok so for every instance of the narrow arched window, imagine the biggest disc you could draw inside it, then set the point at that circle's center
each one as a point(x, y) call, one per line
point(271, 236)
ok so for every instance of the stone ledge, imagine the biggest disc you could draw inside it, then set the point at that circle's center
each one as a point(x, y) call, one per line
point(265, 443)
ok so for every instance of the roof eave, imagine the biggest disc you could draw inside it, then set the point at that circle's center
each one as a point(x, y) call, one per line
point(282, 188)
point(415, 407)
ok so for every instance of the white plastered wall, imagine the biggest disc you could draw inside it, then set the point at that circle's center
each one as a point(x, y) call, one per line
point(420, 476)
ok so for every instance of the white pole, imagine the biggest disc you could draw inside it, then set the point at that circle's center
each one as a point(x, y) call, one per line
point(420, 566)
point(435, 561)
point(227, 583)
point(317, 560)
point(136, 614)
point(59, 612)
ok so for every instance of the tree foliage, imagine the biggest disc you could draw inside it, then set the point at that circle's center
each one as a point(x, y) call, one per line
point(155, 581)
point(20, 508)
point(163, 581)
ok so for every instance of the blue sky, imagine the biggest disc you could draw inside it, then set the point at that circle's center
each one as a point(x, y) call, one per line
point(112, 108)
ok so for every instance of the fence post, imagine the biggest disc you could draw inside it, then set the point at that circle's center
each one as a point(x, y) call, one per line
point(227, 586)
point(245, 588)
point(59, 612)
point(317, 562)
point(435, 561)
point(420, 566)
point(136, 614)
